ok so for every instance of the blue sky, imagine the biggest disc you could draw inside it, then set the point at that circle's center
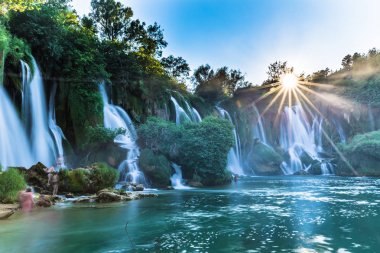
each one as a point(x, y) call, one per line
point(250, 34)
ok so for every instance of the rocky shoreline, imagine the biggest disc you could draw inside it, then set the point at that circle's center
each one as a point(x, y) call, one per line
point(103, 196)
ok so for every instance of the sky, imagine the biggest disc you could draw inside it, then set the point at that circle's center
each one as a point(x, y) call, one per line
point(250, 34)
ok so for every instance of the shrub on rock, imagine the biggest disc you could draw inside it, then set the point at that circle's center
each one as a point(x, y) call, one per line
point(11, 182)
point(156, 168)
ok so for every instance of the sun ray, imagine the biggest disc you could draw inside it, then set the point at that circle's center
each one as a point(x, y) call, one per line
point(313, 92)
point(273, 90)
point(327, 137)
point(316, 84)
point(272, 102)
point(280, 107)
point(310, 103)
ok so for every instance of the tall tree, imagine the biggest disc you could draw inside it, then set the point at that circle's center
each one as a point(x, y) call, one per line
point(275, 70)
point(347, 62)
point(112, 18)
point(215, 85)
point(176, 67)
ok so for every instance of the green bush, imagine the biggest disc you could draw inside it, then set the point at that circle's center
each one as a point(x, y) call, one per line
point(204, 148)
point(89, 180)
point(103, 176)
point(160, 136)
point(11, 182)
point(200, 148)
point(98, 136)
point(362, 154)
point(156, 168)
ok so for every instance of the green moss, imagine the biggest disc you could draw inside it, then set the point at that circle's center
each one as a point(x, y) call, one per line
point(11, 182)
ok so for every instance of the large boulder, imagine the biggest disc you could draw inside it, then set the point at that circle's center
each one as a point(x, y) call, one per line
point(265, 160)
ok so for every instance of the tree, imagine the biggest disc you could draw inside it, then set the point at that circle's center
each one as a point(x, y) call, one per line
point(176, 67)
point(215, 85)
point(19, 5)
point(275, 70)
point(149, 40)
point(111, 17)
point(347, 62)
point(320, 76)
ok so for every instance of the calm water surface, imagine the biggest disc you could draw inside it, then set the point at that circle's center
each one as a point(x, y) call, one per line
point(263, 214)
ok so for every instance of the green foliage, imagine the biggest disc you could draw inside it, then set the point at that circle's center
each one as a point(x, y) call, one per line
point(98, 136)
point(111, 16)
point(204, 148)
point(161, 136)
point(11, 182)
point(103, 176)
point(89, 180)
point(216, 85)
point(200, 148)
point(275, 70)
point(19, 5)
point(156, 168)
point(363, 155)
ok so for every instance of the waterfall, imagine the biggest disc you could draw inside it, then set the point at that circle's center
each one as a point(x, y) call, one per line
point(258, 129)
point(55, 129)
point(300, 138)
point(176, 179)
point(234, 155)
point(35, 115)
point(116, 118)
point(14, 146)
point(371, 120)
point(181, 115)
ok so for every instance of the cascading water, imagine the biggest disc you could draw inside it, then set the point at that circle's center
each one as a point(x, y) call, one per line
point(35, 115)
point(301, 138)
point(14, 146)
point(180, 114)
point(176, 179)
point(55, 129)
point(258, 129)
point(116, 118)
point(185, 114)
point(234, 155)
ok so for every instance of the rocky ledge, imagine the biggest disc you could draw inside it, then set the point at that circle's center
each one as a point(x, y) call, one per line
point(111, 195)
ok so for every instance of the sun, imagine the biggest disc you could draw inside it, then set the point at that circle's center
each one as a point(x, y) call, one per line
point(289, 81)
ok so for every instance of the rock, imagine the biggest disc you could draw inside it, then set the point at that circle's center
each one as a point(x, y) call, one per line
point(44, 201)
point(169, 188)
point(85, 200)
point(107, 197)
point(69, 195)
point(195, 184)
point(138, 187)
point(266, 160)
point(6, 214)
point(145, 195)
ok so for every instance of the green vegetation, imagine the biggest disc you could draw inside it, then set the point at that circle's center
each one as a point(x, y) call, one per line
point(363, 154)
point(200, 148)
point(11, 183)
point(156, 168)
point(88, 180)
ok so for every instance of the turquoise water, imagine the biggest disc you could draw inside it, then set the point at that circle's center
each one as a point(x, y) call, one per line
point(263, 214)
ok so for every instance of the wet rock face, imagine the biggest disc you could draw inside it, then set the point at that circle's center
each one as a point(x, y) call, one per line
point(265, 159)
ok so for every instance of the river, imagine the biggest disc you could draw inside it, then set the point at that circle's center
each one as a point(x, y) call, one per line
point(259, 214)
